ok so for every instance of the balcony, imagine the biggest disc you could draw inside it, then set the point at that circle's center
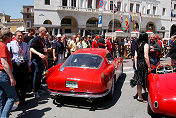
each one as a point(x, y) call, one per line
point(70, 8)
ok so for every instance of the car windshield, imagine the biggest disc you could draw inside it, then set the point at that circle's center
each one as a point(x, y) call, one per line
point(83, 60)
point(164, 66)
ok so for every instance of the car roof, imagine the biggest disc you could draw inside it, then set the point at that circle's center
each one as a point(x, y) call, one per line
point(98, 51)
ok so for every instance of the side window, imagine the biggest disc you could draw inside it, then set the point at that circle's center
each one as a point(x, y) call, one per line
point(47, 2)
point(109, 58)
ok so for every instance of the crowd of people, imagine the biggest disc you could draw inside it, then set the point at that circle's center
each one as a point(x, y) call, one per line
point(24, 58)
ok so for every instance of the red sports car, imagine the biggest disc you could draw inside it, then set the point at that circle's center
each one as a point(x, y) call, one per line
point(162, 91)
point(87, 73)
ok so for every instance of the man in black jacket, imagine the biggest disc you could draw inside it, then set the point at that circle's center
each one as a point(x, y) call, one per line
point(154, 47)
point(172, 52)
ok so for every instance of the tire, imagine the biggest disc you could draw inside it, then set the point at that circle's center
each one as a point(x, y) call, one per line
point(151, 113)
point(111, 93)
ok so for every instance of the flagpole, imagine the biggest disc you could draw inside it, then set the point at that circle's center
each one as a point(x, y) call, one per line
point(113, 21)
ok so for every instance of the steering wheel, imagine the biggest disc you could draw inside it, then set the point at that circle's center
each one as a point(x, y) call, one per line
point(164, 68)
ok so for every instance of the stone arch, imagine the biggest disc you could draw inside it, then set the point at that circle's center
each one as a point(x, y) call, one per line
point(69, 25)
point(47, 22)
point(92, 22)
point(117, 25)
point(151, 26)
point(173, 30)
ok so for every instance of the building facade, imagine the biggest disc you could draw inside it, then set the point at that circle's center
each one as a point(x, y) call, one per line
point(72, 16)
point(12, 24)
point(28, 16)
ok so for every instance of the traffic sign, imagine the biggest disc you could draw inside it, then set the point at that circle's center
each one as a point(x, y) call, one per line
point(101, 2)
point(100, 20)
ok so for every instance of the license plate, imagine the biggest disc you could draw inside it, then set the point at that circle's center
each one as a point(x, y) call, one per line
point(71, 84)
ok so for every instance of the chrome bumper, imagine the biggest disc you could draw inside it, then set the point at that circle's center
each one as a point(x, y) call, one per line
point(81, 95)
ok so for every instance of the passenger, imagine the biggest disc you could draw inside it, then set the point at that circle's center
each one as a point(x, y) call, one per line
point(142, 65)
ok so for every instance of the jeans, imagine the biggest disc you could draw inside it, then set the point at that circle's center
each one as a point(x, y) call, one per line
point(38, 71)
point(7, 95)
point(60, 58)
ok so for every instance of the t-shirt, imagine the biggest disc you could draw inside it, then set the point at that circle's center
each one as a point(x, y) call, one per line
point(38, 44)
point(27, 38)
point(5, 54)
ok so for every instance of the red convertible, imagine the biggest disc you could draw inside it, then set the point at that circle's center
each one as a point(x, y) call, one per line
point(87, 73)
point(162, 91)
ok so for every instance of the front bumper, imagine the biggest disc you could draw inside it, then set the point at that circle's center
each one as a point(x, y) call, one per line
point(79, 94)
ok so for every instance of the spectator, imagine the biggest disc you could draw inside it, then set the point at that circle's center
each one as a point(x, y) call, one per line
point(29, 36)
point(158, 53)
point(96, 43)
point(73, 45)
point(38, 50)
point(142, 65)
point(78, 37)
point(133, 48)
point(172, 52)
point(58, 50)
point(121, 48)
point(21, 63)
point(80, 44)
point(7, 81)
point(89, 41)
point(85, 42)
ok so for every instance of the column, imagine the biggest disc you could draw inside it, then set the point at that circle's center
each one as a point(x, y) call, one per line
point(102, 32)
point(107, 4)
point(58, 31)
point(77, 3)
point(84, 32)
point(134, 8)
point(53, 31)
point(85, 3)
point(79, 30)
point(80, 4)
point(94, 4)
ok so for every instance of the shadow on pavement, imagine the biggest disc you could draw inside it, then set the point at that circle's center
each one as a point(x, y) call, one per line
point(28, 110)
point(99, 104)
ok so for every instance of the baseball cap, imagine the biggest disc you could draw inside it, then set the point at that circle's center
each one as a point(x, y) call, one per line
point(156, 36)
point(97, 37)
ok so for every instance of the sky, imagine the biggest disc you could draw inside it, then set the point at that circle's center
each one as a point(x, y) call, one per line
point(14, 7)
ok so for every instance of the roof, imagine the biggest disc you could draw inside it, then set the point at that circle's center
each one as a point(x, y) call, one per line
point(98, 51)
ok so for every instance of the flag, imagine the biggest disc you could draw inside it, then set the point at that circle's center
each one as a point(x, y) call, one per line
point(126, 23)
point(132, 17)
point(115, 8)
point(121, 18)
point(171, 15)
point(135, 26)
point(140, 17)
